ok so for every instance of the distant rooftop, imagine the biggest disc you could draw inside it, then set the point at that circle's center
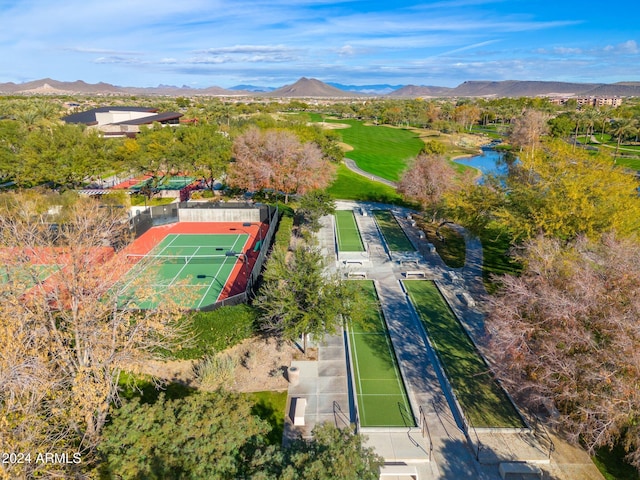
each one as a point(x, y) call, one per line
point(122, 121)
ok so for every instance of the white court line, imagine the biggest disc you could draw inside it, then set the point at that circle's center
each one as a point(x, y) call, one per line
point(355, 358)
point(223, 264)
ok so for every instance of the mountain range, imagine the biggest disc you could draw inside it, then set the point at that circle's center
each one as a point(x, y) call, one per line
point(313, 88)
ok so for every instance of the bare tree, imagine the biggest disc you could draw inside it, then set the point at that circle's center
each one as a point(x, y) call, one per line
point(566, 333)
point(276, 159)
point(67, 329)
point(527, 130)
point(427, 180)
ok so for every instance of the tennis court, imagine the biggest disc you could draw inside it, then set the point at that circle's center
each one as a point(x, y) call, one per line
point(194, 267)
point(347, 233)
point(392, 232)
point(167, 183)
point(26, 275)
point(380, 393)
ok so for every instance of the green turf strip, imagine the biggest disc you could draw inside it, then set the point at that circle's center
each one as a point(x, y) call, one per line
point(393, 234)
point(380, 393)
point(484, 402)
point(347, 232)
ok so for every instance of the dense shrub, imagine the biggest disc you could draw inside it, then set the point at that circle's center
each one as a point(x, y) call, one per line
point(218, 330)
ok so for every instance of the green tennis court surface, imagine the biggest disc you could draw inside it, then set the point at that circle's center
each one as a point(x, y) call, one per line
point(483, 400)
point(347, 232)
point(170, 183)
point(194, 268)
point(382, 400)
point(26, 276)
point(393, 234)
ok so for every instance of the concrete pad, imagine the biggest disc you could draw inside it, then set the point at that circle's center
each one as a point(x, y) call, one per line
point(331, 368)
point(332, 384)
point(330, 352)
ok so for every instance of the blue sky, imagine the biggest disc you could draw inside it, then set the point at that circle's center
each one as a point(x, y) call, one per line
point(203, 43)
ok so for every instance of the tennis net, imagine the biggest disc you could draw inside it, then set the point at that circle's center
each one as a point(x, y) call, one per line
point(183, 259)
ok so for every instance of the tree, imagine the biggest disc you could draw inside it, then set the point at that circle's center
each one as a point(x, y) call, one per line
point(203, 435)
point(332, 454)
point(427, 180)
point(623, 128)
point(66, 329)
point(527, 129)
point(208, 152)
point(296, 299)
point(313, 205)
point(65, 155)
point(558, 192)
point(566, 333)
point(276, 160)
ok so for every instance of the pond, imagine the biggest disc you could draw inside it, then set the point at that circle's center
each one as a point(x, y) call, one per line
point(490, 161)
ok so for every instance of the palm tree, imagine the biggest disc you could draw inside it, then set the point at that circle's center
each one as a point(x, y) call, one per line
point(623, 128)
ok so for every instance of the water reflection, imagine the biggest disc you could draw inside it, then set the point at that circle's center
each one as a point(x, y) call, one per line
point(490, 161)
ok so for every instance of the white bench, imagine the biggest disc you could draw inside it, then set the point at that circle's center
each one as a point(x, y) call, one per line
point(519, 470)
point(353, 262)
point(417, 273)
point(298, 411)
point(399, 471)
point(357, 274)
point(468, 299)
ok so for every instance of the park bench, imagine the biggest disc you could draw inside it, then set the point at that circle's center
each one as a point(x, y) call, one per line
point(415, 273)
point(399, 471)
point(357, 274)
point(468, 299)
point(519, 470)
point(353, 262)
point(300, 405)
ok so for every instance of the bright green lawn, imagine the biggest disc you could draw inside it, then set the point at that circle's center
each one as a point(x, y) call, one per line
point(349, 185)
point(270, 406)
point(383, 151)
point(393, 234)
point(484, 402)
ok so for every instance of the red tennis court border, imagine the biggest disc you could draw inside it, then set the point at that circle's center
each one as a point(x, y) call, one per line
point(237, 281)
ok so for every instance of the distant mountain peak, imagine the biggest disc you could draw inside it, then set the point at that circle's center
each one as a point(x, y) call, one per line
point(310, 87)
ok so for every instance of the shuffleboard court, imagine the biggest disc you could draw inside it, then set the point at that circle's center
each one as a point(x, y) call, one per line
point(194, 267)
point(347, 233)
point(483, 400)
point(394, 236)
point(380, 393)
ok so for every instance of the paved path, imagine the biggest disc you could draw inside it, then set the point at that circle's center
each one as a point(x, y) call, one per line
point(351, 165)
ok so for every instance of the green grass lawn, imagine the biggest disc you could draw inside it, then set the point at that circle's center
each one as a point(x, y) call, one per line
point(393, 234)
point(383, 151)
point(349, 185)
point(484, 402)
point(270, 406)
point(348, 235)
point(612, 466)
point(496, 258)
point(452, 249)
